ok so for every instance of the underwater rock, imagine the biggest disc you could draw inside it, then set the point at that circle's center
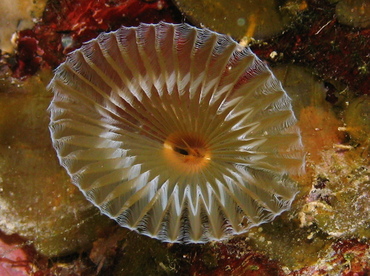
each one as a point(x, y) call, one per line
point(339, 207)
point(343, 257)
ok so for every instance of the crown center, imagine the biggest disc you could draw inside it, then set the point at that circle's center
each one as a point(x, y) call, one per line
point(187, 152)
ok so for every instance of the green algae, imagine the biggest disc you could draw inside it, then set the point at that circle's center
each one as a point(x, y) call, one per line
point(37, 200)
point(302, 86)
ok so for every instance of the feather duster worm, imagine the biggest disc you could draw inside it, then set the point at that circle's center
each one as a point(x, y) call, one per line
point(176, 132)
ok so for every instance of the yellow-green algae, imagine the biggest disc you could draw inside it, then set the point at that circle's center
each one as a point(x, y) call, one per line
point(242, 18)
point(37, 200)
point(355, 13)
point(357, 119)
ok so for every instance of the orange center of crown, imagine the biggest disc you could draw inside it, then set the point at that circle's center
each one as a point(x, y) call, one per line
point(186, 152)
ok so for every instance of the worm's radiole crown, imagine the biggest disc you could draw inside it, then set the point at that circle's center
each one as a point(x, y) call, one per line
point(175, 132)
